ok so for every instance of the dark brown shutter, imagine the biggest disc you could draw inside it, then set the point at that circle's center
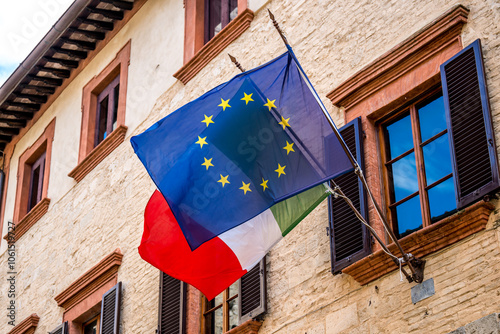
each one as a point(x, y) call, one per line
point(110, 310)
point(252, 301)
point(349, 238)
point(171, 310)
point(472, 142)
point(61, 329)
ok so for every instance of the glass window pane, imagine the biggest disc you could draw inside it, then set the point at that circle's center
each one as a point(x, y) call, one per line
point(432, 118)
point(217, 324)
point(116, 92)
point(442, 200)
point(35, 179)
point(409, 216)
point(404, 176)
point(234, 288)
point(102, 120)
point(217, 300)
point(233, 313)
point(437, 159)
point(90, 328)
point(400, 137)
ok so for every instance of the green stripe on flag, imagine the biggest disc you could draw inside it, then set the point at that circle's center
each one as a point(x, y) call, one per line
point(290, 212)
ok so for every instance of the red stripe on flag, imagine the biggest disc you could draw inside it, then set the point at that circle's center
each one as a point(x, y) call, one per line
point(210, 268)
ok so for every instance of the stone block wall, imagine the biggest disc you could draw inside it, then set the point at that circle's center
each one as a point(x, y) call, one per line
point(333, 40)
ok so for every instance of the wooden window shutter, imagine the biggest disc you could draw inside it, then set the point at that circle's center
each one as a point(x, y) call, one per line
point(171, 310)
point(61, 329)
point(110, 310)
point(472, 141)
point(252, 301)
point(349, 238)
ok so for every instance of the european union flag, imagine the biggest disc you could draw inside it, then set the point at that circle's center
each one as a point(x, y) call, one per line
point(241, 148)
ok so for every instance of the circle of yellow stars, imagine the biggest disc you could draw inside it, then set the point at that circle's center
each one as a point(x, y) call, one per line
point(207, 163)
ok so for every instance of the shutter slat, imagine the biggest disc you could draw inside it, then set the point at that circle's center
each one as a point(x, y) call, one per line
point(61, 329)
point(171, 305)
point(348, 238)
point(252, 301)
point(110, 310)
point(469, 125)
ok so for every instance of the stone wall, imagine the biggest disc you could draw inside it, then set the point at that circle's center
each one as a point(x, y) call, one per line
point(333, 40)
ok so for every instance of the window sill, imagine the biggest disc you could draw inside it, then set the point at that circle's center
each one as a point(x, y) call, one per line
point(98, 154)
point(215, 46)
point(248, 327)
point(30, 218)
point(424, 242)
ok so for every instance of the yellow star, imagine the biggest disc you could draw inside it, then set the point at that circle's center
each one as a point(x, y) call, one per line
point(245, 187)
point(247, 98)
point(270, 104)
point(207, 120)
point(224, 104)
point(264, 184)
point(207, 163)
point(288, 147)
point(202, 141)
point(280, 170)
point(284, 122)
point(223, 180)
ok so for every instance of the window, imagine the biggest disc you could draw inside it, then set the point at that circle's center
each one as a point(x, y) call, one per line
point(418, 165)
point(210, 26)
point(429, 147)
point(218, 14)
point(221, 313)
point(107, 110)
point(36, 182)
point(31, 201)
point(92, 303)
point(180, 310)
point(103, 114)
point(91, 326)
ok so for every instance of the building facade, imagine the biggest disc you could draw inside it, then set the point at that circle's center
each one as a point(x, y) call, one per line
point(414, 87)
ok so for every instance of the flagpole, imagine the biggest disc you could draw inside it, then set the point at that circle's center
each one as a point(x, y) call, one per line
point(416, 265)
point(337, 192)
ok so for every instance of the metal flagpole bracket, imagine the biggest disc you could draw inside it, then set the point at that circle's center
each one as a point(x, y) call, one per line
point(415, 265)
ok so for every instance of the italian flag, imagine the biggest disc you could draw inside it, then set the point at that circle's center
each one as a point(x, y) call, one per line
point(221, 261)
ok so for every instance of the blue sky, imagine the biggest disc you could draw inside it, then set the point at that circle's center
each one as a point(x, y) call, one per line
point(23, 23)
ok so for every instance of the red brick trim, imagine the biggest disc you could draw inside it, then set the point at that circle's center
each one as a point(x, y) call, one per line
point(118, 66)
point(214, 47)
point(401, 59)
point(42, 144)
point(27, 326)
point(424, 242)
point(95, 278)
point(74, 73)
point(99, 153)
point(30, 219)
point(248, 327)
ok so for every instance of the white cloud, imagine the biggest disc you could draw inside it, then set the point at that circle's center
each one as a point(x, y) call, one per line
point(23, 24)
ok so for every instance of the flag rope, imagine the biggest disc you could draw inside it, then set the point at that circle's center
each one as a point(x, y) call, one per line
point(416, 265)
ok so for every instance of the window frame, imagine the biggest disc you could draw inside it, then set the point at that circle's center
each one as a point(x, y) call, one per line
point(90, 154)
point(39, 163)
point(205, 310)
point(197, 52)
point(24, 218)
point(96, 317)
point(423, 188)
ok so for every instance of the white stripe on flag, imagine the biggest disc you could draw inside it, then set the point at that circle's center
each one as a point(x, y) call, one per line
point(252, 240)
